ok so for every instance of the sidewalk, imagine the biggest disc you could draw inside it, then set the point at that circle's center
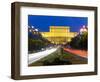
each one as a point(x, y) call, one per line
point(81, 53)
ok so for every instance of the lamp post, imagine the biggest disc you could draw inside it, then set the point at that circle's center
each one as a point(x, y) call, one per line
point(36, 30)
point(32, 27)
point(83, 29)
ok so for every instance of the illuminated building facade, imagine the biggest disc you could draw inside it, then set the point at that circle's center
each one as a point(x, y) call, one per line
point(59, 34)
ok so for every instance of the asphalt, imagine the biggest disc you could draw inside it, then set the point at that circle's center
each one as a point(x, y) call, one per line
point(39, 55)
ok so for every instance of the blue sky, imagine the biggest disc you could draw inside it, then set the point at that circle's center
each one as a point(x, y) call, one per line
point(43, 22)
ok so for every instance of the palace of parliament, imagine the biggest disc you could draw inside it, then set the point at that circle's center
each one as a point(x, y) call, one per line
point(59, 34)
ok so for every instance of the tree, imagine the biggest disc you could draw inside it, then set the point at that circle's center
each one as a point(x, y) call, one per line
point(80, 41)
point(36, 41)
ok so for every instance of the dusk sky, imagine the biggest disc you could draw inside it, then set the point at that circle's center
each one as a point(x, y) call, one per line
point(43, 22)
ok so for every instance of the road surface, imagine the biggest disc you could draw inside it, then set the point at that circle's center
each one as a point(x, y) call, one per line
point(81, 53)
point(37, 56)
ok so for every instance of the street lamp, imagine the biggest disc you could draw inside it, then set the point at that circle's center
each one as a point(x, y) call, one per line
point(84, 26)
point(36, 30)
point(81, 30)
point(30, 30)
point(32, 26)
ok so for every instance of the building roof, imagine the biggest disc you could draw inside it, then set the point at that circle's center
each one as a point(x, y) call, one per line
point(60, 27)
